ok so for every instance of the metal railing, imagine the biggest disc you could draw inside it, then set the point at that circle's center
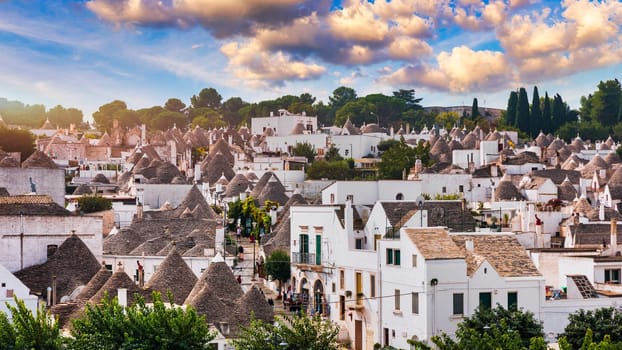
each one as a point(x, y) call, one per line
point(303, 258)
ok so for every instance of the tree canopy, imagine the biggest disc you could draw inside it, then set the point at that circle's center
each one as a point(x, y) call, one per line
point(16, 140)
point(139, 326)
point(27, 331)
point(291, 333)
point(600, 322)
point(398, 159)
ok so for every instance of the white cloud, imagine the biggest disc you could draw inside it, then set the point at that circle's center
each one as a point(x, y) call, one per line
point(249, 63)
point(407, 48)
point(458, 71)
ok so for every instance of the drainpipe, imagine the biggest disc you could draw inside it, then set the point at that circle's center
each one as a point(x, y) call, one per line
point(380, 333)
point(21, 240)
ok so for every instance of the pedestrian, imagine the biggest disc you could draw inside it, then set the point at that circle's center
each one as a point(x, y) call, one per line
point(238, 233)
point(240, 279)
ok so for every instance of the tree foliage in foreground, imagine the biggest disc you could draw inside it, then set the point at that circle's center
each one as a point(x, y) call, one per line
point(290, 333)
point(497, 328)
point(140, 326)
point(601, 322)
point(278, 266)
point(28, 331)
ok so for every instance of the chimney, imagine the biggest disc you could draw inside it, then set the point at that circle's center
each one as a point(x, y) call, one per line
point(539, 239)
point(139, 211)
point(469, 245)
point(493, 170)
point(273, 215)
point(230, 140)
point(614, 238)
point(601, 211)
point(348, 214)
point(220, 239)
point(122, 296)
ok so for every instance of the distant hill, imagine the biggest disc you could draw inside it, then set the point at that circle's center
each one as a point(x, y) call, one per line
point(489, 113)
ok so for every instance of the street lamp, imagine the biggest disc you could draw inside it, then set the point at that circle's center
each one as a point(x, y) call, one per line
point(254, 242)
point(275, 339)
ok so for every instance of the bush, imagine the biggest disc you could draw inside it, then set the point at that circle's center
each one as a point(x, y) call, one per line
point(95, 203)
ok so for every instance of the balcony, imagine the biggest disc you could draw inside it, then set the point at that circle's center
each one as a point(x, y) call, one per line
point(303, 258)
point(392, 232)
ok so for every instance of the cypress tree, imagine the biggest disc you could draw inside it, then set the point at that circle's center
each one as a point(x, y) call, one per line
point(475, 110)
point(547, 127)
point(522, 111)
point(535, 122)
point(558, 112)
point(510, 112)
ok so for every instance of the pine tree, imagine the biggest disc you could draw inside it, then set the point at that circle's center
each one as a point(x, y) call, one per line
point(522, 111)
point(535, 122)
point(558, 112)
point(547, 126)
point(475, 110)
point(510, 112)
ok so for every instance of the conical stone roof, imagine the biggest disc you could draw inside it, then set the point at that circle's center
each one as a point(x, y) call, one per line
point(216, 168)
point(566, 191)
point(252, 304)
point(173, 275)
point(218, 278)
point(274, 191)
point(39, 160)
point(238, 184)
point(119, 279)
point(95, 283)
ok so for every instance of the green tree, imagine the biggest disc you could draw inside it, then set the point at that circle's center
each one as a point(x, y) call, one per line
point(558, 111)
point(605, 103)
point(231, 110)
point(386, 144)
point(296, 332)
point(388, 109)
point(16, 140)
point(17, 113)
point(27, 331)
point(497, 328)
point(535, 122)
point(332, 154)
point(397, 160)
point(278, 267)
point(140, 326)
point(341, 96)
point(447, 119)
point(601, 322)
point(94, 203)
point(206, 118)
point(207, 97)
point(174, 105)
point(359, 111)
point(522, 111)
point(408, 96)
point(510, 115)
point(107, 113)
point(547, 125)
point(475, 115)
point(334, 170)
point(127, 118)
point(167, 119)
point(63, 117)
point(304, 149)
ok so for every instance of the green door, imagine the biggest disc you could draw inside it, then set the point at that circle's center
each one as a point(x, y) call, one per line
point(318, 250)
point(304, 249)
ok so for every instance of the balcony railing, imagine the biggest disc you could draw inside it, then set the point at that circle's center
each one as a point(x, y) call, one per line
point(392, 232)
point(303, 258)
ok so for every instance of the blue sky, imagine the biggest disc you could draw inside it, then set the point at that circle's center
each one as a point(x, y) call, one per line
point(88, 53)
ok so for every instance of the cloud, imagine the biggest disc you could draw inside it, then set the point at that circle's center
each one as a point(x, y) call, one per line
point(358, 23)
point(221, 18)
point(458, 71)
point(257, 67)
point(406, 48)
point(196, 46)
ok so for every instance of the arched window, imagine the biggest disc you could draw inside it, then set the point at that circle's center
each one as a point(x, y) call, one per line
point(399, 196)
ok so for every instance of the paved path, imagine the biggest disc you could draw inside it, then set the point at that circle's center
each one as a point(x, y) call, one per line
point(244, 268)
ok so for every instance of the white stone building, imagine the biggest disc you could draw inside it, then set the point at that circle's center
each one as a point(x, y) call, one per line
point(31, 226)
point(10, 287)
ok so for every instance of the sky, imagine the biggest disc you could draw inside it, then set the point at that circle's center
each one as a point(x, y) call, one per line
point(84, 54)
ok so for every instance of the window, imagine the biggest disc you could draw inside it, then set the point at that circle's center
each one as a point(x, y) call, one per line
point(397, 299)
point(399, 196)
point(485, 300)
point(342, 279)
point(393, 256)
point(334, 287)
point(359, 243)
point(415, 302)
point(512, 301)
point(461, 188)
point(414, 260)
point(372, 286)
point(612, 276)
point(458, 304)
point(444, 189)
